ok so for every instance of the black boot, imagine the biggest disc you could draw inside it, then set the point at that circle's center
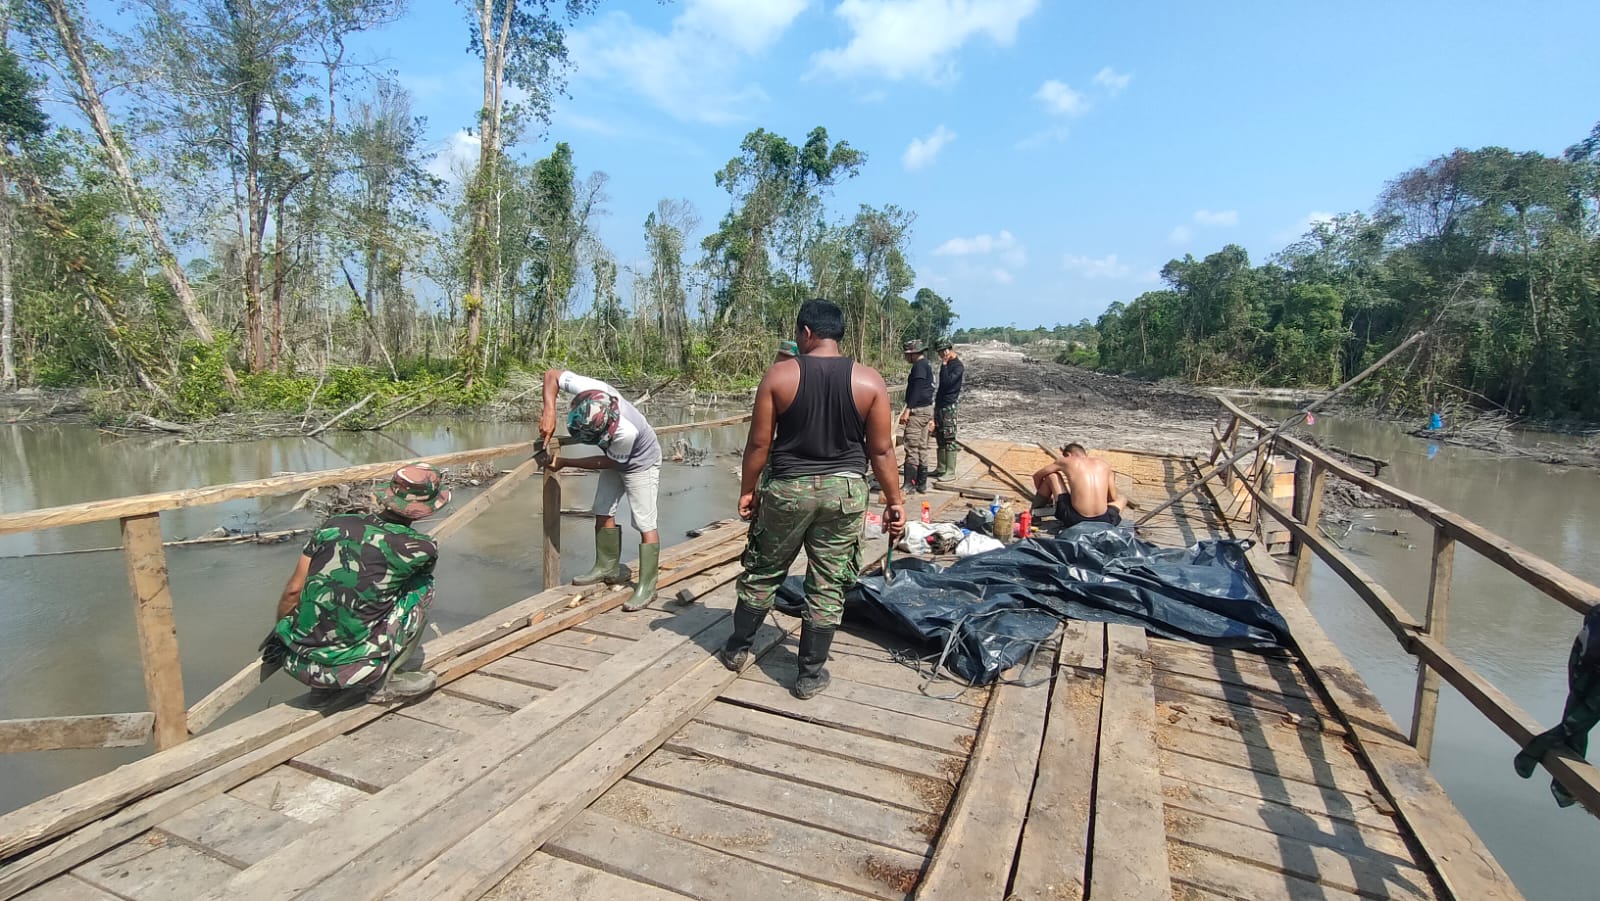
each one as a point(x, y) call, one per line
point(736, 652)
point(922, 480)
point(907, 477)
point(814, 644)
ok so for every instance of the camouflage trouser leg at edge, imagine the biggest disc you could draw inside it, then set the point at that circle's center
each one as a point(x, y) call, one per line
point(944, 426)
point(915, 437)
point(391, 645)
point(823, 514)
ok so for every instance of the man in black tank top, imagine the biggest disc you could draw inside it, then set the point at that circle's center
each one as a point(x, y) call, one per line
point(820, 420)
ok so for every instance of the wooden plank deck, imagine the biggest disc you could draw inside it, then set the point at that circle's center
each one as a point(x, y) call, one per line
point(616, 761)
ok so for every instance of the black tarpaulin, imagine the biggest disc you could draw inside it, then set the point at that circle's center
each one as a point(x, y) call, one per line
point(999, 605)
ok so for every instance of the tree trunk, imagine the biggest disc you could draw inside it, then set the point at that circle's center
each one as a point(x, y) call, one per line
point(8, 366)
point(255, 237)
point(89, 101)
point(279, 249)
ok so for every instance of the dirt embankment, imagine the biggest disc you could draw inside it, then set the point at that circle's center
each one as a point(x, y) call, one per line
point(1009, 395)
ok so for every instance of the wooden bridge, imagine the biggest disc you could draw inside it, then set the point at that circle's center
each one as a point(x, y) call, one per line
point(577, 751)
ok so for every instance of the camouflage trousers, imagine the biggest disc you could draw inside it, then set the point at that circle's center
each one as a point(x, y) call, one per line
point(944, 425)
point(822, 514)
point(915, 437)
point(392, 641)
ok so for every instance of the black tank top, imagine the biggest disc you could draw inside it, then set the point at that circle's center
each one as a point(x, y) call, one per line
point(822, 432)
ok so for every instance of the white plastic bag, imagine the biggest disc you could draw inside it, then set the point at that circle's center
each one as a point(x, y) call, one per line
point(975, 543)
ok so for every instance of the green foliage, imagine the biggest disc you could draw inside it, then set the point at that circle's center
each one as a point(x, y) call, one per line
point(201, 390)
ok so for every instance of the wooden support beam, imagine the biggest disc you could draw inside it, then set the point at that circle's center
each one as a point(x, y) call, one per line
point(1310, 516)
point(466, 513)
point(1130, 832)
point(552, 529)
point(222, 698)
point(158, 633)
point(1024, 488)
point(1425, 708)
point(53, 733)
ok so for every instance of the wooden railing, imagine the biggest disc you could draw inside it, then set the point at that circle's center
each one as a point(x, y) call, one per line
point(168, 720)
point(1424, 640)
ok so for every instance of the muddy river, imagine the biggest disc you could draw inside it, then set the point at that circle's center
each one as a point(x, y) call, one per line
point(67, 641)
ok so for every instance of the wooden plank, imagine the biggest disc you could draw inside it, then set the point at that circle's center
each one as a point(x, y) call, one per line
point(1083, 645)
point(1373, 875)
point(752, 752)
point(378, 754)
point(1053, 857)
point(882, 824)
point(471, 510)
point(1463, 862)
point(1311, 515)
point(783, 671)
point(222, 698)
point(145, 504)
point(800, 849)
point(1280, 680)
point(461, 714)
point(480, 859)
point(819, 737)
point(871, 670)
point(296, 793)
point(560, 655)
point(1369, 809)
point(984, 826)
point(537, 674)
point(1170, 685)
point(507, 694)
point(1346, 836)
point(100, 730)
point(585, 640)
point(1228, 723)
point(1130, 846)
point(237, 831)
point(155, 867)
point(66, 888)
point(1266, 765)
point(644, 855)
point(266, 738)
point(1230, 877)
point(1425, 706)
point(461, 789)
point(543, 876)
point(853, 716)
point(158, 633)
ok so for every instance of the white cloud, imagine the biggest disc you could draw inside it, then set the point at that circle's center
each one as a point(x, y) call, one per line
point(1061, 99)
point(1181, 234)
point(899, 39)
point(457, 158)
point(691, 70)
point(1113, 81)
point(1003, 277)
point(922, 152)
point(1105, 267)
point(1055, 134)
point(1298, 230)
point(1004, 246)
point(1216, 218)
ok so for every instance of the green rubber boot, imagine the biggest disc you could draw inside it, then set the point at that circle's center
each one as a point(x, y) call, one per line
point(948, 459)
point(649, 567)
point(607, 554)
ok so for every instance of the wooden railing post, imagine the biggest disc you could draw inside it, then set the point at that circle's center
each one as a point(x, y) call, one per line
point(1310, 513)
point(158, 633)
point(1231, 436)
point(552, 529)
point(1427, 700)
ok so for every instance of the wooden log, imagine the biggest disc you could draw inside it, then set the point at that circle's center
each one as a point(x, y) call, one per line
point(1024, 488)
point(1053, 858)
point(1570, 590)
point(51, 733)
point(1425, 706)
point(346, 412)
point(222, 698)
point(472, 509)
point(1130, 834)
point(158, 633)
point(118, 508)
point(552, 529)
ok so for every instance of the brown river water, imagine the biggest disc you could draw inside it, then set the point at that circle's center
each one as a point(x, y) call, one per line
point(67, 643)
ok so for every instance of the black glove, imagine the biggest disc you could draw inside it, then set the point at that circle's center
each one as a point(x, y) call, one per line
point(273, 650)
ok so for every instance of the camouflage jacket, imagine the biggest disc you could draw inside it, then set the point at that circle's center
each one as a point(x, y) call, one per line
point(362, 569)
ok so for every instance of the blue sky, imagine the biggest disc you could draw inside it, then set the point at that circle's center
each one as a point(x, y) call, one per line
point(1056, 154)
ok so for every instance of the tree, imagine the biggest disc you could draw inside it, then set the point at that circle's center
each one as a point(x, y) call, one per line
point(22, 121)
point(665, 232)
point(522, 44)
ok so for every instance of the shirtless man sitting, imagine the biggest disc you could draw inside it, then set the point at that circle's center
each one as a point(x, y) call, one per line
point(1082, 488)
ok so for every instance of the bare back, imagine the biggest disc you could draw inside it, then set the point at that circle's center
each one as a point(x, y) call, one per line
point(1090, 483)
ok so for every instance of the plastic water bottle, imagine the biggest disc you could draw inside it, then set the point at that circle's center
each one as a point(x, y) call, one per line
point(994, 507)
point(927, 512)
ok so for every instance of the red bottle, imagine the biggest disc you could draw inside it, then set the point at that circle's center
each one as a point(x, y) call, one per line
point(1024, 523)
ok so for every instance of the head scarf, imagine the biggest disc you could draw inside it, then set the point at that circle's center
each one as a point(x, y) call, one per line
point(593, 419)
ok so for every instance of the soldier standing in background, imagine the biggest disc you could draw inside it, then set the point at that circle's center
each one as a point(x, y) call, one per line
point(951, 372)
point(917, 418)
point(821, 418)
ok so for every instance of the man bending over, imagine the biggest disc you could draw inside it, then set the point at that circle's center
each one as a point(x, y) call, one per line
point(1082, 488)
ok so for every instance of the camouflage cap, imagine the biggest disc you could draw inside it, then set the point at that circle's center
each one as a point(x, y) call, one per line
point(943, 344)
point(414, 491)
point(914, 346)
point(788, 349)
point(593, 419)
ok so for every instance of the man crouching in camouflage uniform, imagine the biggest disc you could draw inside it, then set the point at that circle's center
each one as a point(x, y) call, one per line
point(820, 417)
point(352, 614)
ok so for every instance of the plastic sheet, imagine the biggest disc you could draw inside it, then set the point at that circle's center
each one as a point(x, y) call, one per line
point(998, 605)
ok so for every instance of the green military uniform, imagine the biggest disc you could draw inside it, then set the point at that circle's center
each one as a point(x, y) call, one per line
point(1581, 713)
point(822, 514)
point(364, 603)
